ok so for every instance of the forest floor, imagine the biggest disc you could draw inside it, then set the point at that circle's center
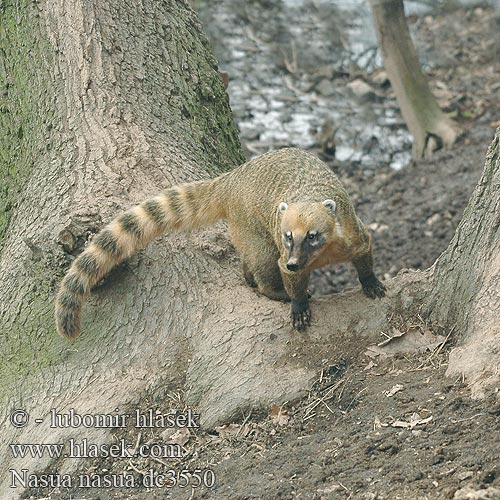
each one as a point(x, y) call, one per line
point(374, 426)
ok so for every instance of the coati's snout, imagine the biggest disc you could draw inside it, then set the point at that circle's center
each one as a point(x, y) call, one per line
point(305, 227)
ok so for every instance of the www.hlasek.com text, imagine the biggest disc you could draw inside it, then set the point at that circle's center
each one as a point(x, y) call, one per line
point(87, 449)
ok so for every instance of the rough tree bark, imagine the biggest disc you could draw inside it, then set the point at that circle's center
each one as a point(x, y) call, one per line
point(465, 291)
point(430, 127)
point(115, 101)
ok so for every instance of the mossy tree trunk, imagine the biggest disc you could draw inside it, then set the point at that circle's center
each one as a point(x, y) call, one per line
point(430, 127)
point(117, 100)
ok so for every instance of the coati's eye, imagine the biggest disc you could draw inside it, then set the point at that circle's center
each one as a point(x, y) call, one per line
point(312, 235)
point(288, 236)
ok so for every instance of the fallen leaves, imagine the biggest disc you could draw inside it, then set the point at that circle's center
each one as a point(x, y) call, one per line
point(233, 430)
point(414, 339)
point(178, 436)
point(415, 420)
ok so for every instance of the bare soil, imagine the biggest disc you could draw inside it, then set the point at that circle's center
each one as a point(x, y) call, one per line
point(371, 428)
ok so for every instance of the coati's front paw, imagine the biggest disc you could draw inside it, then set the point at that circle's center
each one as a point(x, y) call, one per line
point(301, 315)
point(372, 287)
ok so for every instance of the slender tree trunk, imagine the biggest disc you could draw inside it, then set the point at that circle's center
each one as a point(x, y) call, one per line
point(116, 101)
point(430, 127)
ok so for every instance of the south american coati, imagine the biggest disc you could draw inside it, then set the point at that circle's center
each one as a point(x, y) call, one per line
point(287, 214)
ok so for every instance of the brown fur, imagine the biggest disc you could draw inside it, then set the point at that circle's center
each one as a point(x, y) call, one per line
point(248, 198)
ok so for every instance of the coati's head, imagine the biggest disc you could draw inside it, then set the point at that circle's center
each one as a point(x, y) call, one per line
point(305, 228)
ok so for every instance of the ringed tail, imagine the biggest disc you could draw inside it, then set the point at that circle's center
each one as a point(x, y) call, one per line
point(183, 207)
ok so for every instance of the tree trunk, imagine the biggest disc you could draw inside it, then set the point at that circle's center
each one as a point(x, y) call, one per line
point(116, 101)
point(466, 282)
point(430, 127)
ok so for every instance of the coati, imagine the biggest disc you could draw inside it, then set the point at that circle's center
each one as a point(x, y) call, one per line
point(287, 215)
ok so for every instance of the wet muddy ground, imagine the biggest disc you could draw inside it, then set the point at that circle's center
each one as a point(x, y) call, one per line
point(373, 427)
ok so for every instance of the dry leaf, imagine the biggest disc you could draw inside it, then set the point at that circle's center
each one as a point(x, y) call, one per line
point(279, 415)
point(414, 339)
point(233, 430)
point(414, 421)
point(395, 389)
point(369, 366)
point(180, 436)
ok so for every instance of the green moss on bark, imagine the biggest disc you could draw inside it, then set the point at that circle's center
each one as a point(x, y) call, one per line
point(26, 117)
point(29, 343)
point(181, 68)
point(25, 93)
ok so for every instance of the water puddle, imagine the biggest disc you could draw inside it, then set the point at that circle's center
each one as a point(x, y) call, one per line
point(294, 68)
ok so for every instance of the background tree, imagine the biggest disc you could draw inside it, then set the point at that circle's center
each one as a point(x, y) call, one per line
point(430, 127)
point(105, 103)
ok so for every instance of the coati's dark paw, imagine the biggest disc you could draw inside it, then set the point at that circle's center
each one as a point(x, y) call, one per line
point(301, 315)
point(373, 288)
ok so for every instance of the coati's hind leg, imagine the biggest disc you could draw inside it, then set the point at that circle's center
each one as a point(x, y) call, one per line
point(248, 275)
point(260, 262)
point(269, 281)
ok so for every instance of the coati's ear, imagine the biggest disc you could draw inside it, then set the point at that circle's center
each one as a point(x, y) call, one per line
point(282, 207)
point(330, 205)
